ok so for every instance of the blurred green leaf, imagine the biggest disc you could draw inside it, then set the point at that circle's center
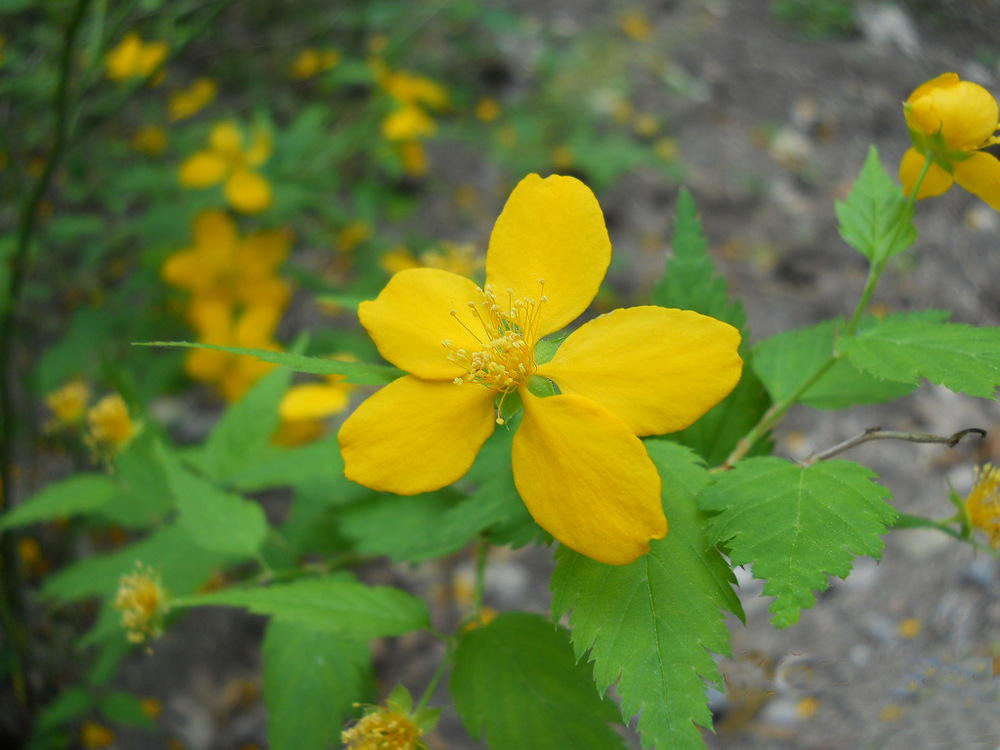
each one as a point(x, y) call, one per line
point(330, 604)
point(75, 495)
point(517, 681)
point(650, 626)
point(796, 525)
point(218, 520)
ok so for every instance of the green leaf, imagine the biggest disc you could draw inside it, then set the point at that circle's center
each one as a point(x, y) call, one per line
point(876, 220)
point(359, 373)
point(784, 362)
point(402, 528)
point(689, 281)
point(516, 681)
point(243, 435)
point(318, 462)
point(69, 706)
point(124, 708)
point(183, 565)
point(334, 605)
point(214, 518)
point(650, 625)
point(312, 679)
point(797, 524)
point(76, 495)
point(961, 357)
point(144, 499)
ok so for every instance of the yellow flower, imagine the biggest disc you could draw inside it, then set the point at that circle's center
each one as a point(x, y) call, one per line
point(305, 406)
point(383, 728)
point(636, 24)
point(579, 464)
point(68, 403)
point(222, 265)
point(408, 123)
point(94, 735)
point(217, 322)
point(352, 235)
point(951, 122)
point(983, 503)
point(188, 102)
point(408, 88)
point(414, 158)
point(311, 62)
point(142, 602)
point(132, 58)
point(150, 140)
point(109, 424)
point(227, 161)
point(487, 109)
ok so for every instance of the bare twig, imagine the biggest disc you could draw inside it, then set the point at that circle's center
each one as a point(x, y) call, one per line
point(877, 433)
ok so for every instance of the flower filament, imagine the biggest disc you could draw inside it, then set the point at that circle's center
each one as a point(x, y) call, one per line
point(505, 359)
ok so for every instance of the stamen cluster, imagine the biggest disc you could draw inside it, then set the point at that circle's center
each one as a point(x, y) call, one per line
point(142, 602)
point(383, 729)
point(506, 357)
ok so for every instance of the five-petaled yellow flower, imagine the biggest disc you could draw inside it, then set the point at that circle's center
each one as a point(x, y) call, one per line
point(230, 161)
point(134, 58)
point(983, 503)
point(950, 122)
point(579, 464)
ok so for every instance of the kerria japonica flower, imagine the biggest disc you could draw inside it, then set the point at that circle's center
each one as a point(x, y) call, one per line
point(470, 353)
point(951, 122)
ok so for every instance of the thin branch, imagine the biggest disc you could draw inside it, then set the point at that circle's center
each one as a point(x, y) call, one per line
point(877, 433)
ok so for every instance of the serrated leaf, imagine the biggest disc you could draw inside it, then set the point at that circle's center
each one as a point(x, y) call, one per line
point(312, 679)
point(876, 220)
point(796, 524)
point(516, 681)
point(401, 528)
point(242, 436)
point(318, 462)
point(689, 281)
point(144, 499)
point(76, 495)
point(786, 361)
point(650, 625)
point(334, 605)
point(214, 518)
point(961, 357)
point(359, 373)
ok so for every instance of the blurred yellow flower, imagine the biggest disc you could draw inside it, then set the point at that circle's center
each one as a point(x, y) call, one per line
point(188, 102)
point(951, 123)
point(408, 123)
point(447, 256)
point(352, 235)
point(219, 323)
point(305, 407)
point(487, 109)
point(226, 160)
point(562, 157)
point(312, 62)
point(133, 58)
point(983, 503)
point(142, 603)
point(636, 24)
point(94, 735)
point(68, 403)
point(109, 425)
point(222, 265)
point(150, 140)
point(414, 157)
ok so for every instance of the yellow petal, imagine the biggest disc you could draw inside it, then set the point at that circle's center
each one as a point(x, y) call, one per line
point(965, 112)
point(980, 175)
point(206, 365)
point(262, 252)
point(248, 192)
point(260, 148)
point(657, 369)
point(411, 317)
point(313, 401)
point(203, 169)
point(416, 435)
point(227, 140)
point(215, 234)
point(550, 229)
point(256, 326)
point(186, 270)
point(935, 183)
point(587, 479)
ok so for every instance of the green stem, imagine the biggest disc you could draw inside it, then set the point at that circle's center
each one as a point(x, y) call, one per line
point(482, 557)
point(12, 608)
point(435, 679)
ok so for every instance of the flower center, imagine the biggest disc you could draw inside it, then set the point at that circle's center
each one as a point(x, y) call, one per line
point(505, 329)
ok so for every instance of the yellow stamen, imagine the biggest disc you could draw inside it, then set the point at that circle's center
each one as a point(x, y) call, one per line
point(506, 357)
